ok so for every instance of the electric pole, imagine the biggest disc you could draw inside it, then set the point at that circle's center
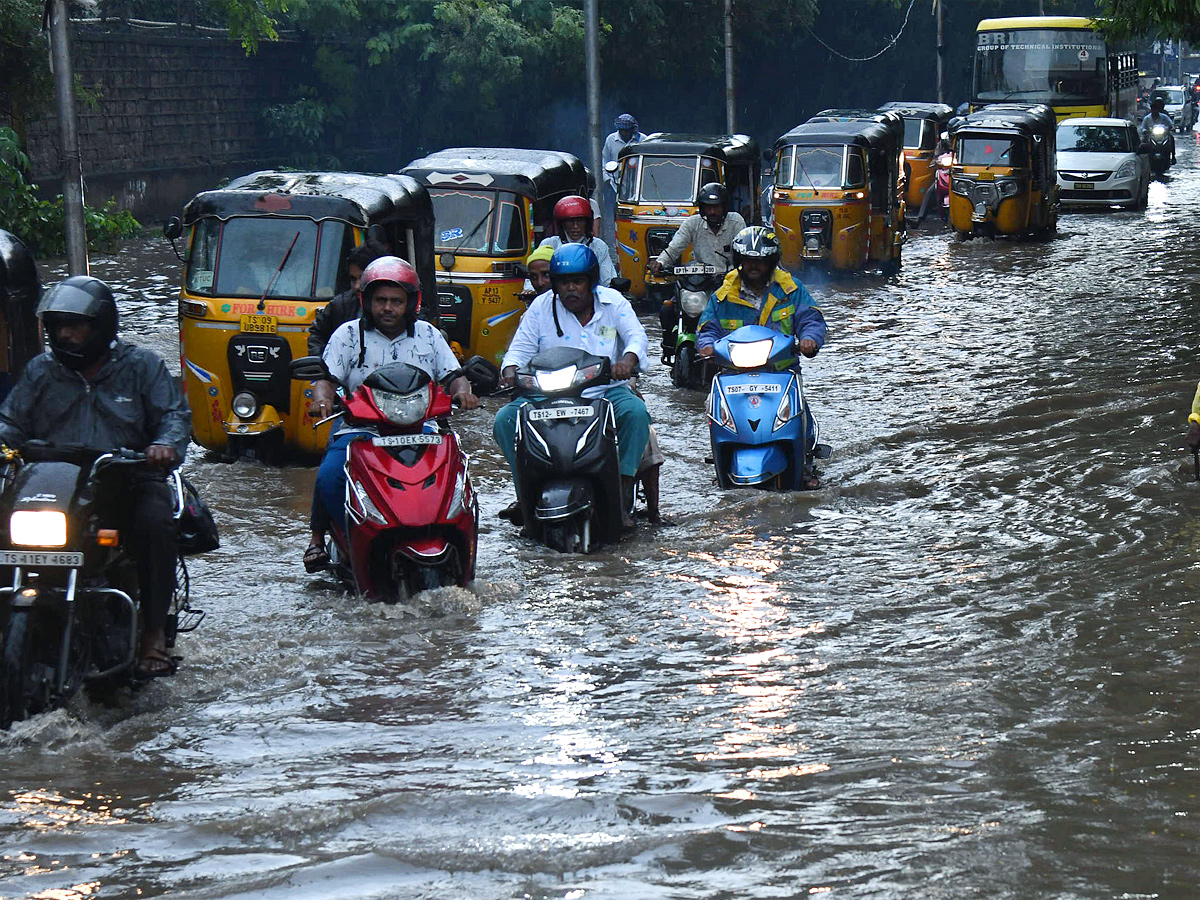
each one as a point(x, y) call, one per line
point(730, 95)
point(591, 24)
point(68, 136)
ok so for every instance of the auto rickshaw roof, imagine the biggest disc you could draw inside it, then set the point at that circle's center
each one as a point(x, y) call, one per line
point(350, 196)
point(940, 112)
point(731, 148)
point(857, 133)
point(1035, 118)
point(887, 117)
point(533, 173)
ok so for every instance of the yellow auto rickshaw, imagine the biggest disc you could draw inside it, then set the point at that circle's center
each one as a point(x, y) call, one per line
point(923, 126)
point(837, 199)
point(1003, 178)
point(263, 255)
point(658, 180)
point(492, 206)
point(20, 291)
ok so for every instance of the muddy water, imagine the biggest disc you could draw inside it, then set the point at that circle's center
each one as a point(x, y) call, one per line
point(966, 667)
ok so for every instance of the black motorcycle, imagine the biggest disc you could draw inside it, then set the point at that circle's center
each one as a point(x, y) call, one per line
point(693, 285)
point(69, 603)
point(568, 477)
point(1159, 141)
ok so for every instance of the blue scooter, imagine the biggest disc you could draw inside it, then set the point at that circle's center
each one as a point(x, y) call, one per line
point(762, 432)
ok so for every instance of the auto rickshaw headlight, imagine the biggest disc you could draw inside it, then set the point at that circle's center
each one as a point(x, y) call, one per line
point(245, 405)
point(962, 186)
point(1008, 188)
point(693, 302)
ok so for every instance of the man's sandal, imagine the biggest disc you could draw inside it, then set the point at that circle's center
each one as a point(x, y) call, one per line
point(316, 558)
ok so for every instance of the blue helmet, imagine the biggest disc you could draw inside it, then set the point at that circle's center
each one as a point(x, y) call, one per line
point(574, 259)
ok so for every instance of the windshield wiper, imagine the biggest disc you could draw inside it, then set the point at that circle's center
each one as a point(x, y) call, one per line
point(471, 233)
point(658, 191)
point(262, 301)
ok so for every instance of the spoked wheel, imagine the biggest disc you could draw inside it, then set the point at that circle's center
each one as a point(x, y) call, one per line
point(26, 677)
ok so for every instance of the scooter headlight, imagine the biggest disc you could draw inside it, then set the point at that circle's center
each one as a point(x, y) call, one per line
point(693, 302)
point(1159, 131)
point(751, 355)
point(587, 373)
point(245, 405)
point(785, 410)
point(38, 528)
point(402, 409)
point(557, 380)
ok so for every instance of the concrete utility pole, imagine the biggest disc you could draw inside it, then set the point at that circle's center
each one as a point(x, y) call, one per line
point(591, 25)
point(730, 93)
point(941, 51)
point(68, 136)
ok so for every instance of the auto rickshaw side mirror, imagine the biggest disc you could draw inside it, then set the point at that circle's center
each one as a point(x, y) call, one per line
point(610, 166)
point(309, 368)
point(173, 228)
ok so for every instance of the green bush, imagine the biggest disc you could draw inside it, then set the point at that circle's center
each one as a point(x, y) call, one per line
point(41, 224)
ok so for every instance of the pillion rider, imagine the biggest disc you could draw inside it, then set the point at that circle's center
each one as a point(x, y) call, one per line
point(579, 312)
point(95, 390)
point(710, 234)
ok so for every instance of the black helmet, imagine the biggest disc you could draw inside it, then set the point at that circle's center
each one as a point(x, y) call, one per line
point(1158, 104)
point(713, 194)
point(756, 242)
point(75, 298)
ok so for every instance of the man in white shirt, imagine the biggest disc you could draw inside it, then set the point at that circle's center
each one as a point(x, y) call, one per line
point(579, 313)
point(388, 331)
point(572, 218)
point(626, 133)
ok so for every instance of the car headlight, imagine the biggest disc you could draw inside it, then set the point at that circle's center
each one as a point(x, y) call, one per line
point(693, 302)
point(402, 409)
point(556, 380)
point(1127, 169)
point(38, 528)
point(245, 405)
point(752, 355)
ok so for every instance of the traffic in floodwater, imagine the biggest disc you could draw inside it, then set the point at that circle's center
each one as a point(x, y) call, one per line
point(965, 667)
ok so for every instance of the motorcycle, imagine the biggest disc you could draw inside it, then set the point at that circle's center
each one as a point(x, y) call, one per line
point(568, 478)
point(1159, 143)
point(412, 515)
point(756, 386)
point(70, 608)
point(693, 285)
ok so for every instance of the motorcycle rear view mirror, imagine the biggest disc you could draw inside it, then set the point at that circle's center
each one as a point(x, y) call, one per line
point(309, 368)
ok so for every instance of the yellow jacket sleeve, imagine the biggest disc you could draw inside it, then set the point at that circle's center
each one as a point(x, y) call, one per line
point(1195, 416)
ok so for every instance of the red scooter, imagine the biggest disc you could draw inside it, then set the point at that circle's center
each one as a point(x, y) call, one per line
point(412, 517)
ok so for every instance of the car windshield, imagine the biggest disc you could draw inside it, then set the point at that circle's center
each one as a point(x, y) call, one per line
point(669, 179)
point(1168, 95)
point(239, 257)
point(819, 167)
point(1094, 138)
point(478, 221)
point(984, 150)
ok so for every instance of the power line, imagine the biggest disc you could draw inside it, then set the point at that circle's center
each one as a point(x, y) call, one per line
point(890, 44)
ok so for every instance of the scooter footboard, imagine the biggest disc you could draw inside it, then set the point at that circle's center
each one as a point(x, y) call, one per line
point(754, 465)
point(562, 498)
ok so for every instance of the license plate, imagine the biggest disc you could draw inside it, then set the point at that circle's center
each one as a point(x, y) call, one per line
point(38, 558)
point(260, 324)
point(696, 269)
point(753, 389)
point(1084, 186)
point(407, 440)
point(562, 412)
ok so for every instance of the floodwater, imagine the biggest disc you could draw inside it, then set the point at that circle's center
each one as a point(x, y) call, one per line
point(965, 668)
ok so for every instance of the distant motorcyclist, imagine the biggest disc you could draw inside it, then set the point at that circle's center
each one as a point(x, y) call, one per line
point(1158, 116)
point(758, 292)
point(573, 219)
point(710, 234)
point(95, 390)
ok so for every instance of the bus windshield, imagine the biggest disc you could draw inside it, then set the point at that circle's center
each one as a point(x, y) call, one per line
point(1042, 65)
point(478, 222)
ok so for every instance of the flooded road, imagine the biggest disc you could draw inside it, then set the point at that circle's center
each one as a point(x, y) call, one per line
point(967, 667)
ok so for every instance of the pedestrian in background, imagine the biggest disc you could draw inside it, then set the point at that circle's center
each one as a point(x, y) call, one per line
point(626, 133)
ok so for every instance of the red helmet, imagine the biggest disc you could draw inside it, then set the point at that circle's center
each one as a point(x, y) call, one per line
point(390, 270)
point(573, 207)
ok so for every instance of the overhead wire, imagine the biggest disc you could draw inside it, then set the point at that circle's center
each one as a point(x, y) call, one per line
point(890, 44)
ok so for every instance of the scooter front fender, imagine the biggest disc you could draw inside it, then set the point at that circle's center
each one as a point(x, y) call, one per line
point(749, 466)
point(564, 498)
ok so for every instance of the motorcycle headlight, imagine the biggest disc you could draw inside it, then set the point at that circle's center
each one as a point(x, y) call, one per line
point(785, 410)
point(1158, 131)
point(752, 355)
point(693, 302)
point(38, 528)
point(1127, 170)
point(368, 507)
point(552, 382)
point(245, 405)
point(402, 409)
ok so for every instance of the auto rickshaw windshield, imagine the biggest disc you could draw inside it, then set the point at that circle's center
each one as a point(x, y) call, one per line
point(239, 257)
point(919, 134)
point(1094, 138)
point(671, 179)
point(991, 150)
point(819, 167)
point(478, 222)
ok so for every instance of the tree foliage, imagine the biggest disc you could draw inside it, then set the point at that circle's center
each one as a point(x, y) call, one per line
point(24, 73)
point(1160, 18)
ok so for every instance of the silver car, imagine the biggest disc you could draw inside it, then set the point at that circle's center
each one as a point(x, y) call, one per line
point(1101, 163)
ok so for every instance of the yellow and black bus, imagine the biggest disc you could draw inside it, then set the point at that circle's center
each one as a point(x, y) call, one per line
point(1061, 61)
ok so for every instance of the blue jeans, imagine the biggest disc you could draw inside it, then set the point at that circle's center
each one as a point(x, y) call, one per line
point(633, 428)
point(330, 489)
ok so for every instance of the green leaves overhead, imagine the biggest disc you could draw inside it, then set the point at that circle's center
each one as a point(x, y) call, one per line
point(1160, 18)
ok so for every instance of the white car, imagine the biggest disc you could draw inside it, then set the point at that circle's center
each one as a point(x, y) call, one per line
point(1100, 163)
point(1173, 96)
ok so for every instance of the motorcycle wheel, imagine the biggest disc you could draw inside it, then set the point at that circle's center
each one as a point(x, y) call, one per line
point(27, 680)
point(681, 372)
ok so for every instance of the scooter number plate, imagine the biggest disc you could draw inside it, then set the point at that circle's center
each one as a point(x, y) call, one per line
point(562, 412)
point(407, 440)
point(260, 324)
point(39, 558)
point(753, 389)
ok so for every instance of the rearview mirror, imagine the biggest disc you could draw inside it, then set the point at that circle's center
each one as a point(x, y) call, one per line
point(173, 228)
point(610, 166)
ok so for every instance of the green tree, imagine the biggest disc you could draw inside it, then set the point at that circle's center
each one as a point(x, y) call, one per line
point(1157, 18)
point(24, 74)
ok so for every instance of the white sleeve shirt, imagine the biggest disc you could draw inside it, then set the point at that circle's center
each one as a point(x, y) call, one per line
point(426, 349)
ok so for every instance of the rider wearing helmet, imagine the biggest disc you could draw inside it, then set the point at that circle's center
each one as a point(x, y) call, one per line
point(758, 292)
point(579, 312)
point(710, 234)
point(573, 219)
point(386, 331)
point(1158, 116)
point(95, 390)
